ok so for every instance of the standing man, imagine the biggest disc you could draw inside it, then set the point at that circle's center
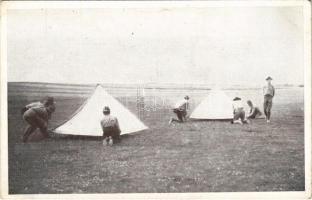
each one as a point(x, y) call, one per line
point(268, 92)
point(110, 127)
point(180, 109)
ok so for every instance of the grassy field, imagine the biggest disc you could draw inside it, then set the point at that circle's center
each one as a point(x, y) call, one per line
point(198, 156)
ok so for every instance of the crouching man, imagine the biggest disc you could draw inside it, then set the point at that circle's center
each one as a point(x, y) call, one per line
point(254, 112)
point(238, 111)
point(180, 109)
point(110, 127)
point(37, 116)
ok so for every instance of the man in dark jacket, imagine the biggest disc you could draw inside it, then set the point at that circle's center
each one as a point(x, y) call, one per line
point(37, 116)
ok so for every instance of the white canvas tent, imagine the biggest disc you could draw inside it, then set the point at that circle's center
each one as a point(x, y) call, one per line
point(216, 106)
point(86, 120)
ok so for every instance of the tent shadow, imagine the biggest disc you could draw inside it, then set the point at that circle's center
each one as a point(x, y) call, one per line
point(132, 135)
point(212, 120)
point(75, 137)
point(92, 138)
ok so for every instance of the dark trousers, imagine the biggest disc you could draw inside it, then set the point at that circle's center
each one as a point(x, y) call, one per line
point(255, 114)
point(34, 122)
point(240, 114)
point(267, 106)
point(180, 114)
point(111, 131)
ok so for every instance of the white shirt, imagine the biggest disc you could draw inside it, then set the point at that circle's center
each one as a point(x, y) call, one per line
point(182, 105)
point(237, 105)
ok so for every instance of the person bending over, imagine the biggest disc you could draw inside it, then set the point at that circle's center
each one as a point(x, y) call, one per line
point(37, 116)
point(46, 101)
point(254, 111)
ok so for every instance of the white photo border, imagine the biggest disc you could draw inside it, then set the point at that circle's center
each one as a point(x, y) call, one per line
point(11, 5)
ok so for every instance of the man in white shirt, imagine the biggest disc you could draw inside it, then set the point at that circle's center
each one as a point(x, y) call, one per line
point(238, 111)
point(180, 109)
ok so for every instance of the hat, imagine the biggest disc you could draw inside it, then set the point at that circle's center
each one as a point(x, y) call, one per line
point(187, 97)
point(268, 78)
point(106, 109)
point(236, 99)
point(48, 100)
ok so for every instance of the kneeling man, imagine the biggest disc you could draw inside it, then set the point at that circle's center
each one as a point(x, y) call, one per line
point(238, 111)
point(110, 127)
point(254, 111)
point(180, 109)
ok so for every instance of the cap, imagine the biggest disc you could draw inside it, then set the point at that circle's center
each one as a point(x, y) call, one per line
point(187, 97)
point(268, 78)
point(106, 109)
point(236, 99)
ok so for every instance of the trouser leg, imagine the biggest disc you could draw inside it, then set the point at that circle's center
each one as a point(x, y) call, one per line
point(269, 110)
point(28, 131)
point(42, 126)
point(265, 108)
point(179, 116)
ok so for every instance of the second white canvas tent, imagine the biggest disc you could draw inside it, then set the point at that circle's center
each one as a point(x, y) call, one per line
point(86, 121)
point(216, 106)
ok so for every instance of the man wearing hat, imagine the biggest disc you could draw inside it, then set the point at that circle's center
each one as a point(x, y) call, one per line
point(268, 92)
point(110, 127)
point(180, 109)
point(238, 111)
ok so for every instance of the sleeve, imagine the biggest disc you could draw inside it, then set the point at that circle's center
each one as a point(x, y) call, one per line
point(31, 105)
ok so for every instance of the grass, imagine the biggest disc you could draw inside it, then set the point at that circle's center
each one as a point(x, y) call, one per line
point(198, 156)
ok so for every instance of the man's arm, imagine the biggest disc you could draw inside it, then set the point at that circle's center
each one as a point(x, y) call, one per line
point(34, 104)
point(273, 91)
point(252, 112)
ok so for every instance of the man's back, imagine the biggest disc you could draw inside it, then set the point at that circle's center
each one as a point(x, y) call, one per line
point(181, 105)
point(109, 121)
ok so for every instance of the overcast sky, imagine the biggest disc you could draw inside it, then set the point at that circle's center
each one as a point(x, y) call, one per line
point(176, 45)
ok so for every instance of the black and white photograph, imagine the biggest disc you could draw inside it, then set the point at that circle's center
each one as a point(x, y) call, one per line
point(124, 98)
